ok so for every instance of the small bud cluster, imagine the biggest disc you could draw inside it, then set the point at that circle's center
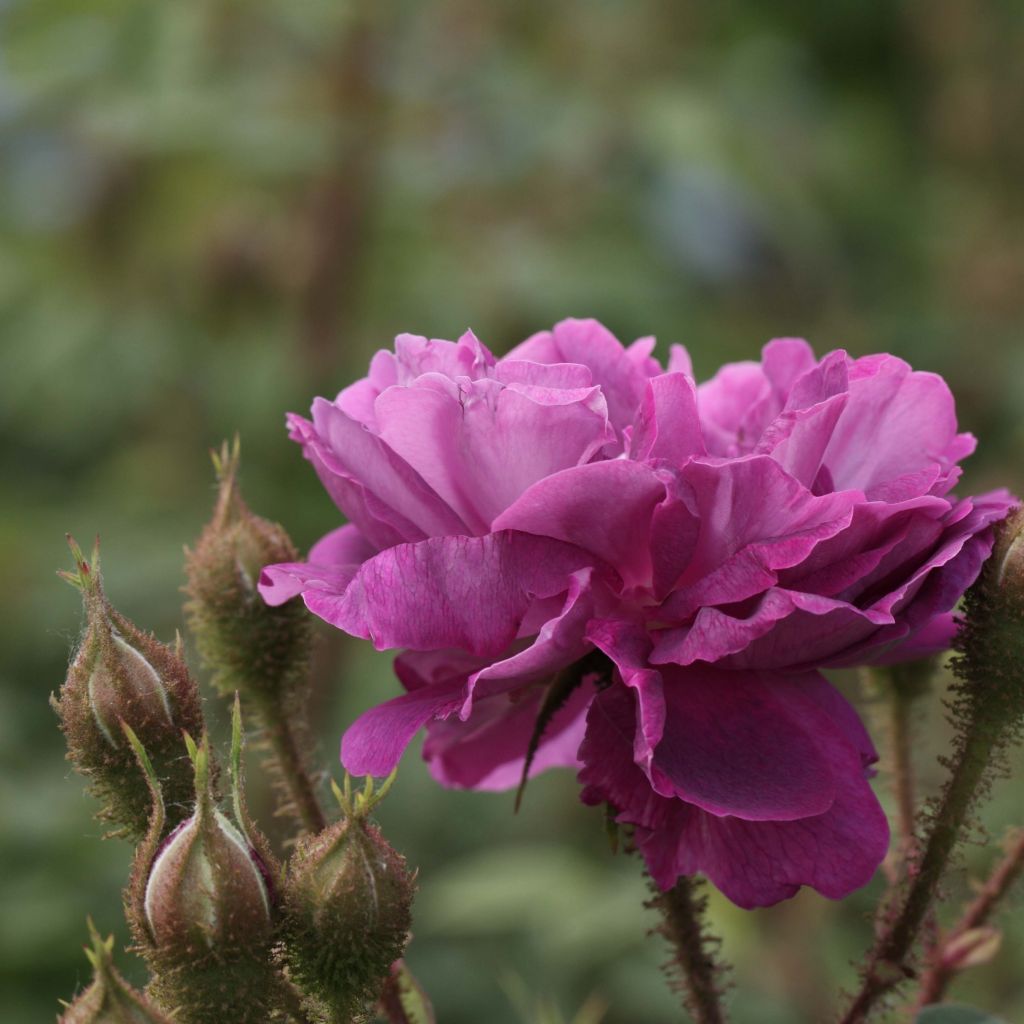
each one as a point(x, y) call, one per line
point(229, 936)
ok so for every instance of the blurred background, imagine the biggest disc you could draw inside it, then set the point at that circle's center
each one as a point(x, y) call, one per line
point(211, 212)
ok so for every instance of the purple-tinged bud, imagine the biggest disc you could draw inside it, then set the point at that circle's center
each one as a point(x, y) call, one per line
point(109, 999)
point(971, 948)
point(206, 916)
point(122, 674)
point(346, 911)
point(250, 647)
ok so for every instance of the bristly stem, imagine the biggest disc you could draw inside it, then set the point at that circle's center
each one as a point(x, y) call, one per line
point(887, 966)
point(941, 970)
point(280, 737)
point(682, 908)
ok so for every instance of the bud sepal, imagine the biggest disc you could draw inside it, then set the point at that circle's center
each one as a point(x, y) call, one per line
point(109, 999)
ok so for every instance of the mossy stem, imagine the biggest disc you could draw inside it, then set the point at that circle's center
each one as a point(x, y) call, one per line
point(280, 735)
point(887, 967)
point(682, 909)
point(940, 971)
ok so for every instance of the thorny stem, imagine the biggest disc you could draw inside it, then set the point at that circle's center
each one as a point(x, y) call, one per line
point(280, 737)
point(887, 966)
point(940, 972)
point(682, 908)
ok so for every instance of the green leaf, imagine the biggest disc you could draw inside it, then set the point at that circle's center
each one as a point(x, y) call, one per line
point(953, 1013)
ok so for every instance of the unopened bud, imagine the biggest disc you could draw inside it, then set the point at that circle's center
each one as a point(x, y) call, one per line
point(122, 674)
point(208, 916)
point(347, 910)
point(206, 889)
point(109, 999)
point(251, 648)
point(971, 948)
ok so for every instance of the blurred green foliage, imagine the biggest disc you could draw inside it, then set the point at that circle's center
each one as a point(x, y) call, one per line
point(210, 212)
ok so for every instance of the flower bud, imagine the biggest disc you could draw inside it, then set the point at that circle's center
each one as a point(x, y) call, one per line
point(122, 674)
point(347, 910)
point(252, 648)
point(109, 999)
point(208, 916)
point(971, 948)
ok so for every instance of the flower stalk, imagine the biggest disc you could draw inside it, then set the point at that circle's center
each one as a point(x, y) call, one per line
point(942, 965)
point(987, 708)
point(693, 949)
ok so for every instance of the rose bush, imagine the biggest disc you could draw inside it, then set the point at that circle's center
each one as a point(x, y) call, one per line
point(717, 545)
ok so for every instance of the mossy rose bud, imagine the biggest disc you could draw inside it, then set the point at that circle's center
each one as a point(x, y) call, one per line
point(251, 648)
point(122, 674)
point(109, 999)
point(208, 917)
point(346, 913)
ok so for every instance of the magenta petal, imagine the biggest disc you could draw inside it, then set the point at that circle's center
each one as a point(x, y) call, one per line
point(897, 423)
point(668, 426)
point(487, 751)
point(343, 546)
point(374, 743)
point(758, 863)
point(603, 507)
point(755, 863)
point(480, 444)
point(351, 452)
point(784, 628)
point(333, 562)
point(560, 641)
point(733, 745)
point(471, 593)
point(752, 500)
point(587, 342)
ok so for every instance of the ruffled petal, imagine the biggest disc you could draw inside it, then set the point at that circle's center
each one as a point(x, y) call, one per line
point(471, 593)
point(667, 425)
point(755, 863)
point(333, 562)
point(480, 444)
point(373, 744)
point(488, 750)
point(350, 452)
point(603, 507)
point(590, 343)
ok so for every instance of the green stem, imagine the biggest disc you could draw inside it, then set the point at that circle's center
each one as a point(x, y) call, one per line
point(682, 908)
point(887, 967)
point(280, 735)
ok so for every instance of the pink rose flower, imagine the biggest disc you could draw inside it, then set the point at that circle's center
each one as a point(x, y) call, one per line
point(706, 549)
